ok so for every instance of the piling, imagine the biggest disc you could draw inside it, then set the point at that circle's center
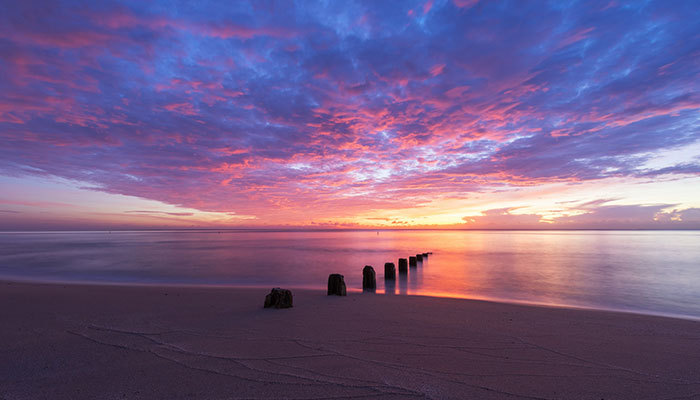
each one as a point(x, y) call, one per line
point(336, 285)
point(369, 279)
point(389, 272)
point(403, 266)
point(279, 298)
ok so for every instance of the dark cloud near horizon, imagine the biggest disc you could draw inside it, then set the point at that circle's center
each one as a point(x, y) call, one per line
point(592, 215)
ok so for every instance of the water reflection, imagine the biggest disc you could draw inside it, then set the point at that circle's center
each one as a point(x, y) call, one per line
point(648, 271)
point(403, 283)
point(416, 277)
point(390, 287)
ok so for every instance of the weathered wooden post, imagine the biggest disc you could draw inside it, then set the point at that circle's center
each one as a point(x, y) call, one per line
point(369, 279)
point(403, 266)
point(419, 257)
point(279, 298)
point(336, 285)
point(412, 261)
point(389, 272)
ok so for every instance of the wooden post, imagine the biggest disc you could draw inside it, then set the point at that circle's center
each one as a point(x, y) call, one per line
point(389, 272)
point(279, 298)
point(403, 266)
point(336, 285)
point(369, 279)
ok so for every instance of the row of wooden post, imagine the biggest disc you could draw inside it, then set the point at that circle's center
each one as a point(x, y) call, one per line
point(336, 282)
point(282, 298)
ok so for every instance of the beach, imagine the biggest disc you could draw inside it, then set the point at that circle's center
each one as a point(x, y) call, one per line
point(109, 341)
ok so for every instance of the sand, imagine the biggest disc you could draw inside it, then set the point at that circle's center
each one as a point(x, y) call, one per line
point(87, 342)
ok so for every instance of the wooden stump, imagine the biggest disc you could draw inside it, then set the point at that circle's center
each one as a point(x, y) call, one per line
point(403, 266)
point(369, 279)
point(279, 298)
point(336, 285)
point(412, 261)
point(389, 272)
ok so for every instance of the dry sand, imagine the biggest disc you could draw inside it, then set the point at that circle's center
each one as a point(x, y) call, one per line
point(91, 342)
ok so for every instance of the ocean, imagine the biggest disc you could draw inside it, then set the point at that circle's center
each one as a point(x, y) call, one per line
point(650, 272)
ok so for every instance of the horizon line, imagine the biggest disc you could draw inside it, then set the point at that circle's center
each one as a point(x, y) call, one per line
point(342, 229)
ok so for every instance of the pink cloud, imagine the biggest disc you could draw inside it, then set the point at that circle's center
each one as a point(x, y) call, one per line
point(465, 3)
point(427, 6)
point(182, 108)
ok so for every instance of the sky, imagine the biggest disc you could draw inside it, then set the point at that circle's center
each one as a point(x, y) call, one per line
point(350, 114)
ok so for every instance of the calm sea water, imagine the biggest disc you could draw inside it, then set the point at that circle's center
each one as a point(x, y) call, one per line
point(655, 272)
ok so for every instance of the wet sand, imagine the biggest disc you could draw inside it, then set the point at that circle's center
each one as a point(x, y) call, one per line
point(109, 342)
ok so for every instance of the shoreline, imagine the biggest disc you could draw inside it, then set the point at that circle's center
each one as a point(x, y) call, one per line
point(98, 341)
point(205, 286)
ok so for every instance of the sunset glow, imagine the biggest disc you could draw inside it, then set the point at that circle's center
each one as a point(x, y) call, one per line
point(454, 114)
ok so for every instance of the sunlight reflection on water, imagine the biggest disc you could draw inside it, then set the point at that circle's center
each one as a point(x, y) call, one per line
point(644, 271)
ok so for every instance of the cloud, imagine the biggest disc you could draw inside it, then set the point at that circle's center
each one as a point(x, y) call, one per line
point(594, 214)
point(176, 214)
point(689, 217)
point(502, 218)
point(334, 109)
